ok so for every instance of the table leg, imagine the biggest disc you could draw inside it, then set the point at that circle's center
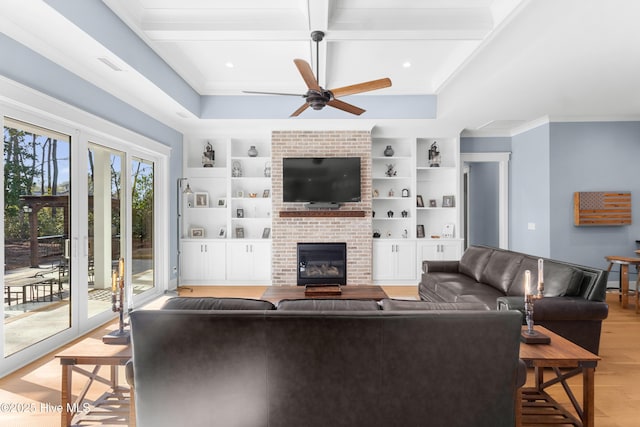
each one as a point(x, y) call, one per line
point(66, 415)
point(624, 284)
point(588, 397)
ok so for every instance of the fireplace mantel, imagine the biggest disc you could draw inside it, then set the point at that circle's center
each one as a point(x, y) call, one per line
point(322, 214)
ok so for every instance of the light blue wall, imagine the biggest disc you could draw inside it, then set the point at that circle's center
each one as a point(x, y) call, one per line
point(601, 156)
point(30, 69)
point(483, 204)
point(529, 188)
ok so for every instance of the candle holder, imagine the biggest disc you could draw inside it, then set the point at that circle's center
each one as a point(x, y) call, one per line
point(119, 336)
point(530, 335)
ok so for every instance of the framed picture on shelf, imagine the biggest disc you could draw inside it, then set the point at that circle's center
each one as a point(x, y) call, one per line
point(201, 200)
point(239, 232)
point(432, 203)
point(239, 213)
point(222, 203)
point(222, 233)
point(196, 233)
point(266, 193)
point(448, 201)
point(419, 201)
point(266, 233)
point(420, 231)
point(239, 194)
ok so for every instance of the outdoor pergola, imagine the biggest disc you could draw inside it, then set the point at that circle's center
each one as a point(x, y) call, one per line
point(32, 205)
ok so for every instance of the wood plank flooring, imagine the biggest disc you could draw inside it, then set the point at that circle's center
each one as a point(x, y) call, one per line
point(617, 375)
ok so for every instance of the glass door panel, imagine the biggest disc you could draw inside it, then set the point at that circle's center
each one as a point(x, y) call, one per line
point(37, 284)
point(105, 224)
point(142, 237)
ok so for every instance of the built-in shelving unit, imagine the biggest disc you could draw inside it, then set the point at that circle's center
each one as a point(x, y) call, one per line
point(226, 221)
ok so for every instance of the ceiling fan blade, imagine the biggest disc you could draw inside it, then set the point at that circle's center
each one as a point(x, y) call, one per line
point(273, 93)
point(300, 110)
point(361, 87)
point(341, 105)
point(307, 74)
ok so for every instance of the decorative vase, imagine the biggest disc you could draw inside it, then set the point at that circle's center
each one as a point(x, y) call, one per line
point(252, 151)
point(388, 151)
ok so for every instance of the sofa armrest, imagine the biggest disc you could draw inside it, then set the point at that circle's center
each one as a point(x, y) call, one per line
point(128, 372)
point(558, 308)
point(440, 266)
point(521, 379)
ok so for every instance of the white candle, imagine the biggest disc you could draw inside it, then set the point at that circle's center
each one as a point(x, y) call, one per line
point(527, 283)
point(540, 275)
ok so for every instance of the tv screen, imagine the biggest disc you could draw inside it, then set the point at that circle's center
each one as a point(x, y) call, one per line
point(321, 180)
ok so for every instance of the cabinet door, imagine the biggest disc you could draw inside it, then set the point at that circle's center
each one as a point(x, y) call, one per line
point(451, 251)
point(191, 261)
point(238, 261)
point(261, 259)
point(383, 260)
point(405, 256)
point(430, 251)
point(214, 259)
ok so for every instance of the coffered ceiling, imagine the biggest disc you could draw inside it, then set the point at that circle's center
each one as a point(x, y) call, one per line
point(227, 46)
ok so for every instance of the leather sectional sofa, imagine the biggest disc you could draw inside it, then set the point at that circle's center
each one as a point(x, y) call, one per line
point(317, 363)
point(573, 305)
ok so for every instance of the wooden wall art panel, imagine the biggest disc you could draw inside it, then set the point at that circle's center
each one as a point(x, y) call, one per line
point(601, 208)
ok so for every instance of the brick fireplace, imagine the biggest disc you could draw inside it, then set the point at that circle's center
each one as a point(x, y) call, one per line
point(355, 230)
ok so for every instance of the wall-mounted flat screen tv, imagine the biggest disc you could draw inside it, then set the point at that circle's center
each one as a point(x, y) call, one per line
point(321, 179)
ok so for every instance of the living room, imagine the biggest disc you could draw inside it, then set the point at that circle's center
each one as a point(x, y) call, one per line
point(549, 83)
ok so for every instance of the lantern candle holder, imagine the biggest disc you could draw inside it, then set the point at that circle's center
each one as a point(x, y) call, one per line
point(119, 336)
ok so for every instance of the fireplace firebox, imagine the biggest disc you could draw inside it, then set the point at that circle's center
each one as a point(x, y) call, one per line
point(322, 264)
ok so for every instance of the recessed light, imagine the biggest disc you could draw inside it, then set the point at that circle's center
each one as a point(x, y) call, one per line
point(228, 64)
point(406, 64)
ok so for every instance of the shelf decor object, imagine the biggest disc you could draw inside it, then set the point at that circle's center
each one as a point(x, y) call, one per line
point(595, 208)
point(388, 152)
point(253, 152)
point(434, 155)
point(530, 335)
point(208, 156)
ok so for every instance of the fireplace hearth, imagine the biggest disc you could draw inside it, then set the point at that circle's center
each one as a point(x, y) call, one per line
point(322, 264)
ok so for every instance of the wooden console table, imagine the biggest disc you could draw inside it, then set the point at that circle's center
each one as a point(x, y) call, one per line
point(277, 293)
point(117, 403)
point(538, 407)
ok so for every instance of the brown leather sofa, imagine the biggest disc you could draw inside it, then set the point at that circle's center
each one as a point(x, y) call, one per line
point(573, 305)
point(325, 364)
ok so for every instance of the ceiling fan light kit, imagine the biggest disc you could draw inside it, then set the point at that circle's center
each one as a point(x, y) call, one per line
point(316, 97)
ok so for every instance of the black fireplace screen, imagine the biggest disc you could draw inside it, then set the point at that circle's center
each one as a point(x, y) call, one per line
point(322, 263)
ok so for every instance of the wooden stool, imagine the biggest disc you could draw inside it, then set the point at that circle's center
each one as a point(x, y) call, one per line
point(624, 263)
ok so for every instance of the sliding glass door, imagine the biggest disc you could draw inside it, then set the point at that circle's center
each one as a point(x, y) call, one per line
point(37, 221)
point(142, 226)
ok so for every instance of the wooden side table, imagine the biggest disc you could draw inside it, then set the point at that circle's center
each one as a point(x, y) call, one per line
point(95, 352)
point(624, 263)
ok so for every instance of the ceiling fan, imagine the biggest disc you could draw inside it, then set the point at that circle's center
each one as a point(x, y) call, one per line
point(317, 97)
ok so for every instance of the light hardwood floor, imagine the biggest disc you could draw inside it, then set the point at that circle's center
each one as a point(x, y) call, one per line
point(617, 375)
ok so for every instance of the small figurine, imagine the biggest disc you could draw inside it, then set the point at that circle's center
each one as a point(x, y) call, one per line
point(209, 156)
point(434, 155)
point(390, 214)
point(391, 170)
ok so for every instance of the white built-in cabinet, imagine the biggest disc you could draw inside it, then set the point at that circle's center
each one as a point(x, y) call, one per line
point(226, 220)
point(394, 260)
point(203, 261)
point(415, 206)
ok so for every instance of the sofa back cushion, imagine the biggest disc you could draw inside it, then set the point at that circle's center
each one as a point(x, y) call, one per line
point(559, 279)
point(473, 261)
point(212, 303)
point(501, 269)
point(317, 304)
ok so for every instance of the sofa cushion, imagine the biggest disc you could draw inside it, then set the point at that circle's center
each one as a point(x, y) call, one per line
point(319, 304)
point(212, 303)
point(559, 279)
point(501, 270)
point(400, 305)
point(455, 291)
point(517, 285)
point(473, 261)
